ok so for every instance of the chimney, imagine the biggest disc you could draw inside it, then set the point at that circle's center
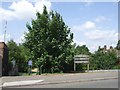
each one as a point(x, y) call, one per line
point(105, 47)
point(111, 47)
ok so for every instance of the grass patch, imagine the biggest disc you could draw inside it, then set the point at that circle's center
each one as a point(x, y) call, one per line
point(27, 74)
point(36, 73)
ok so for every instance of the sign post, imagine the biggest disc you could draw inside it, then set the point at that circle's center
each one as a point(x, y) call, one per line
point(88, 67)
point(81, 59)
point(13, 63)
point(30, 66)
point(74, 66)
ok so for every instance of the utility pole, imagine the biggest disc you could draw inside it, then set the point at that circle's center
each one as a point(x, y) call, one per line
point(5, 31)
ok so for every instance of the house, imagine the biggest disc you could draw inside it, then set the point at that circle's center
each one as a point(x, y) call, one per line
point(110, 49)
point(105, 50)
point(3, 59)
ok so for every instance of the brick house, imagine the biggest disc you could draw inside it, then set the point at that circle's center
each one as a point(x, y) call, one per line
point(4, 58)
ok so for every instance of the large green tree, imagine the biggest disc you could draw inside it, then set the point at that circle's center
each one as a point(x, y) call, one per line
point(49, 40)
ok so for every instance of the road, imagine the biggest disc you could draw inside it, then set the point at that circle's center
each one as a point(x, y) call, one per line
point(112, 83)
point(78, 80)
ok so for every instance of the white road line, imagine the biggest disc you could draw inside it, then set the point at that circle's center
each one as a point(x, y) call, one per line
point(18, 83)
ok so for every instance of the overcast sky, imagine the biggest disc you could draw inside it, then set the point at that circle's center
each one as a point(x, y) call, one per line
point(93, 23)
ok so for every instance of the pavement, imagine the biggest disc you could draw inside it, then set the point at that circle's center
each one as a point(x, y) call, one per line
point(20, 83)
point(58, 78)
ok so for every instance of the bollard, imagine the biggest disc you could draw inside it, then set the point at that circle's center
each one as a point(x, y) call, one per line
point(30, 66)
point(29, 70)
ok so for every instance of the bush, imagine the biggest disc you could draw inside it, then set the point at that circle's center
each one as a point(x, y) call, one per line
point(116, 67)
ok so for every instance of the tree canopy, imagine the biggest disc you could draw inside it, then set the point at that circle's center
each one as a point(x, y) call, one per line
point(101, 60)
point(82, 50)
point(49, 40)
point(19, 54)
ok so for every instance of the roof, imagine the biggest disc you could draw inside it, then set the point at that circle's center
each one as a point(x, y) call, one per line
point(2, 45)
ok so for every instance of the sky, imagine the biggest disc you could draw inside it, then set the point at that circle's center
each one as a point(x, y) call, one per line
point(92, 23)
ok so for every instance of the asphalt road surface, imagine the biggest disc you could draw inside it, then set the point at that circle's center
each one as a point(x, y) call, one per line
point(103, 79)
point(112, 83)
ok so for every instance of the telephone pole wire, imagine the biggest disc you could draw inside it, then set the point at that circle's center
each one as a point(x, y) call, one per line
point(5, 31)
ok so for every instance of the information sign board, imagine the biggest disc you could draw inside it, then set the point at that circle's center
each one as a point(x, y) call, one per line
point(30, 62)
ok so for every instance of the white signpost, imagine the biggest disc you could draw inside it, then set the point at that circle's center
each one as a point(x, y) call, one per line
point(13, 63)
point(81, 59)
point(30, 62)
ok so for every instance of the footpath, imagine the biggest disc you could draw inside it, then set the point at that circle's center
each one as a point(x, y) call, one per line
point(12, 81)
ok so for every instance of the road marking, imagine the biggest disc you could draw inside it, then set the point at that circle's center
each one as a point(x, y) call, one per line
point(99, 78)
point(19, 83)
point(69, 74)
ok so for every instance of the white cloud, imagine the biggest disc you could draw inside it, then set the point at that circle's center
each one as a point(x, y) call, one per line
point(117, 35)
point(93, 32)
point(80, 42)
point(93, 36)
point(88, 25)
point(39, 6)
point(101, 19)
point(20, 39)
point(23, 10)
point(76, 28)
point(101, 35)
point(92, 47)
point(6, 14)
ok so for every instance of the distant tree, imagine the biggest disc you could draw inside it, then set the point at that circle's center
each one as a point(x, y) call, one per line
point(25, 56)
point(19, 54)
point(49, 41)
point(14, 52)
point(82, 50)
point(101, 60)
